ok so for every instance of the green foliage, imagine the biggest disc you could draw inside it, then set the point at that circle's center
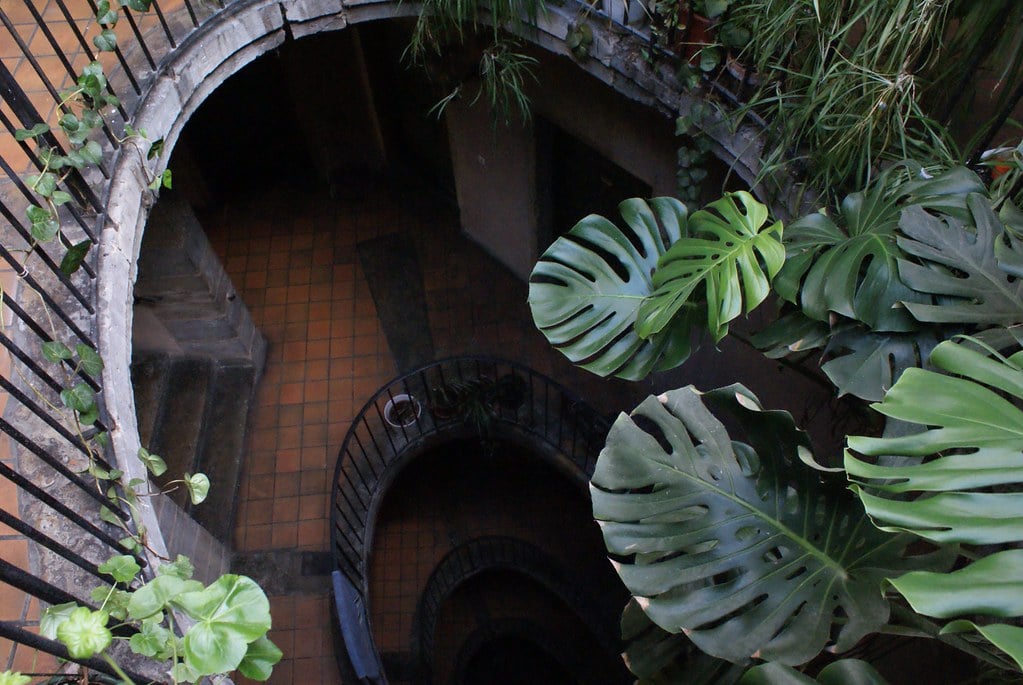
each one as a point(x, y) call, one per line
point(14, 678)
point(843, 672)
point(734, 542)
point(84, 632)
point(728, 254)
point(958, 480)
point(586, 291)
point(959, 264)
point(658, 657)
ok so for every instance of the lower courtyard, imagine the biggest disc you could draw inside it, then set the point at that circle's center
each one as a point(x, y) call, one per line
point(307, 267)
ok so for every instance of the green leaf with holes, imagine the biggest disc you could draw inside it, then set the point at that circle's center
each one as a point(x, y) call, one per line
point(732, 540)
point(957, 262)
point(56, 351)
point(123, 568)
point(587, 288)
point(727, 259)
point(85, 633)
point(843, 672)
point(657, 657)
point(229, 614)
point(75, 257)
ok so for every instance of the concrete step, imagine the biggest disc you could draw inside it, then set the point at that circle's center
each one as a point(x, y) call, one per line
point(222, 450)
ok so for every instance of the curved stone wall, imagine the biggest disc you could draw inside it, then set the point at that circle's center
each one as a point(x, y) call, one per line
point(227, 42)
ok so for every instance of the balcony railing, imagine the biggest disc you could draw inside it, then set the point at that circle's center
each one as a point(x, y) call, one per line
point(444, 401)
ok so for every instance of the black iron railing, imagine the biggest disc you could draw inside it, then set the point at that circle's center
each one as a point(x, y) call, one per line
point(443, 401)
point(53, 537)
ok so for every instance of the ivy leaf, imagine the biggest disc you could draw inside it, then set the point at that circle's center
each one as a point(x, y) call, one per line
point(81, 398)
point(89, 360)
point(45, 184)
point(74, 257)
point(106, 41)
point(91, 152)
point(123, 568)
point(92, 81)
point(155, 149)
point(152, 640)
point(154, 462)
point(229, 614)
point(44, 223)
point(106, 14)
point(198, 486)
point(85, 633)
point(53, 616)
point(729, 252)
point(106, 514)
point(260, 659)
point(59, 198)
point(24, 134)
point(140, 5)
point(14, 678)
point(56, 351)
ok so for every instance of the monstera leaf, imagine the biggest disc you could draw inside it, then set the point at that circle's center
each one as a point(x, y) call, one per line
point(872, 362)
point(844, 672)
point(847, 264)
point(959, 262)
point(736, 543)
point(587, 288)
point(967, 489)
point(729, 253)
point(851, 270)
point(657, 657)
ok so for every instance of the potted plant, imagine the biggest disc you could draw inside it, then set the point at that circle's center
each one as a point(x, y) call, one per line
point(402, 410)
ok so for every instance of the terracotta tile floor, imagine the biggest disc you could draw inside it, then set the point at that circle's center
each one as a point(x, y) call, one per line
point(292, 258)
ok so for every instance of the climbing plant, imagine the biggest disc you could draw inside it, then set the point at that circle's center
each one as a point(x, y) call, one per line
point(197, 630)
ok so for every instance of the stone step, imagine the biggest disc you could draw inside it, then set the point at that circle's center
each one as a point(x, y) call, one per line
point(222, 451)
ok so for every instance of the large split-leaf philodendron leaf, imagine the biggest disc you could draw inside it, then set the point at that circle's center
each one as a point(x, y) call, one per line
point(737, 544)
point(964, 483)
point(729, 252)
point(657, 657)
point(968, 266)
point(846, 262)
point(587, 288)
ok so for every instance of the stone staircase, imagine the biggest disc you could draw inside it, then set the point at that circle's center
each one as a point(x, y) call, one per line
point(196, 360)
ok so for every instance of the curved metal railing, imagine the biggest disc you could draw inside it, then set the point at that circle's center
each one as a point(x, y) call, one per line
point(443, 401)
